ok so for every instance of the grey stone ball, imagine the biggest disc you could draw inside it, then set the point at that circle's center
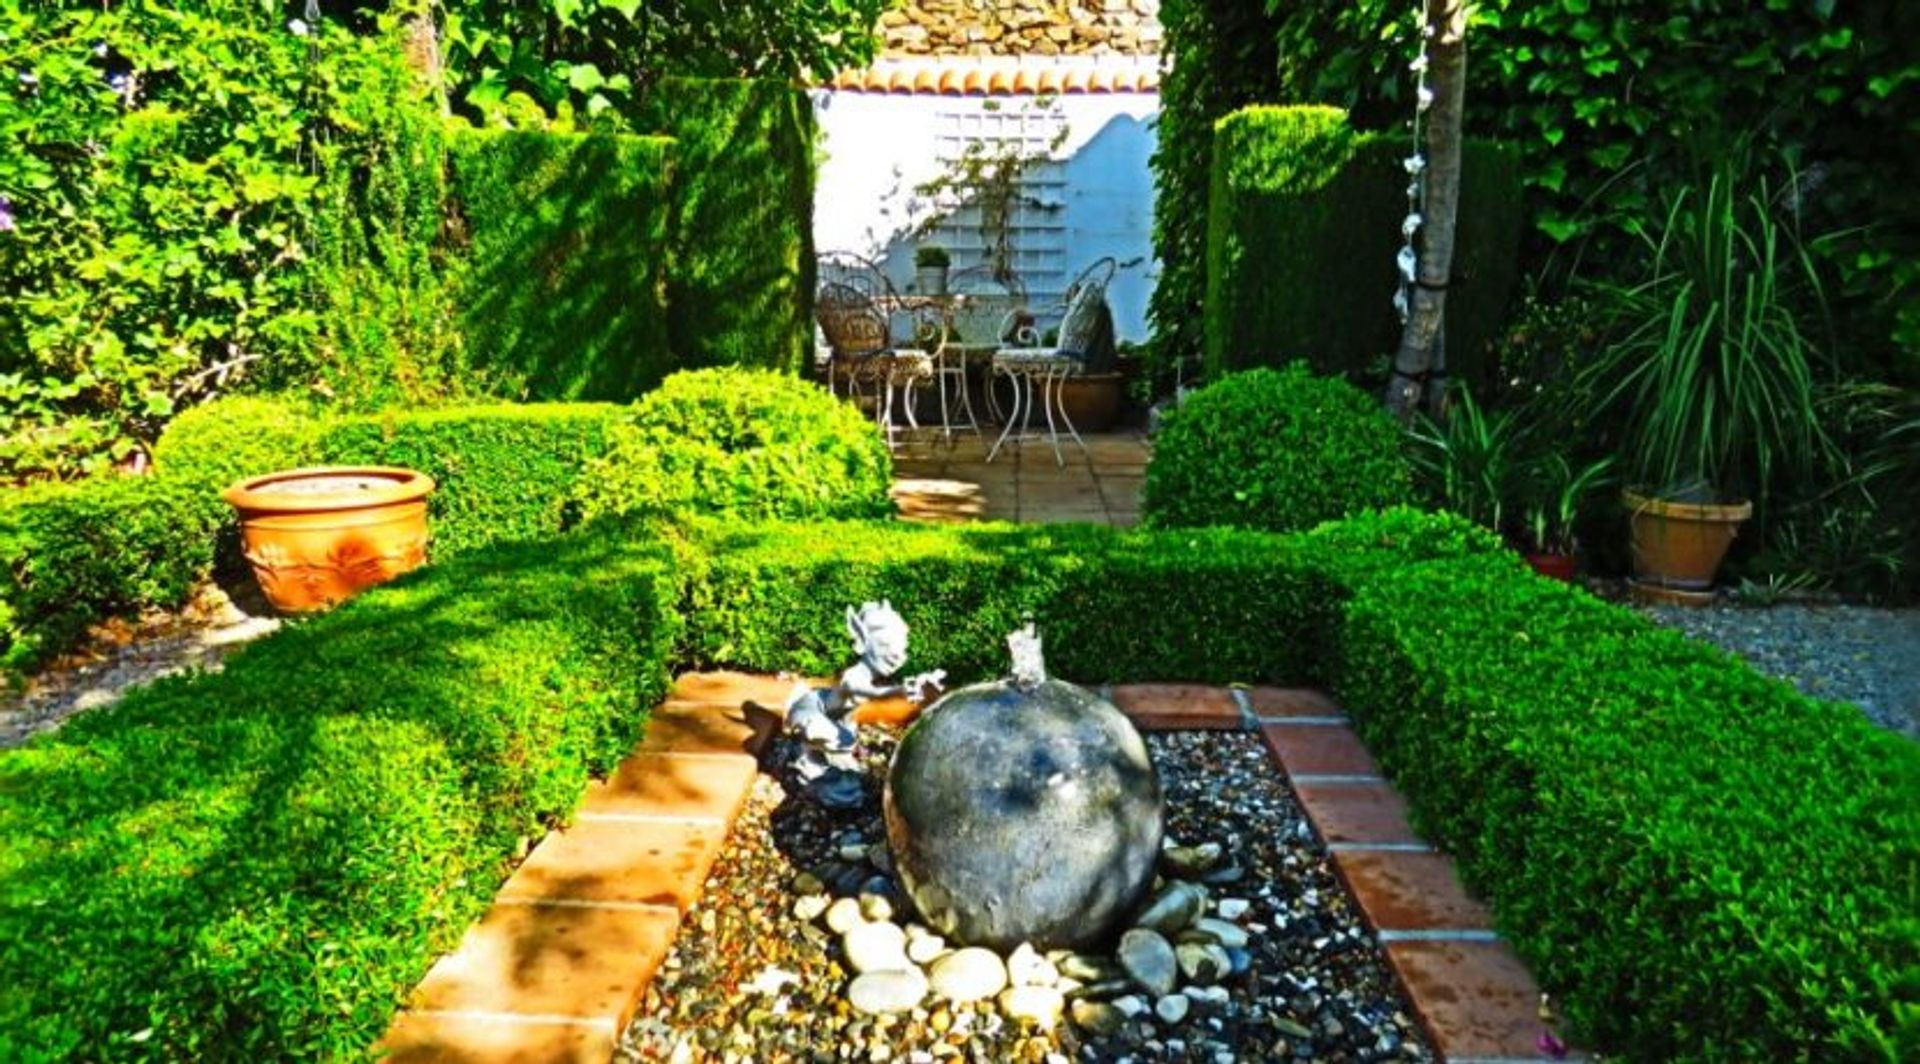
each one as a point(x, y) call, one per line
point(1024, 816)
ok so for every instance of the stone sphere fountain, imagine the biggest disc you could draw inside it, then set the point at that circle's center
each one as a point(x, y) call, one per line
point(1025, 810)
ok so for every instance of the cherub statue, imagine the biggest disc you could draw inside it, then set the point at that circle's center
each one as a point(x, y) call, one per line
point(818, 716)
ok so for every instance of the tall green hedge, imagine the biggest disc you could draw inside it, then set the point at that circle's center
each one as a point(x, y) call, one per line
point(740, 280)
point(564, 288)
point(1303, 224)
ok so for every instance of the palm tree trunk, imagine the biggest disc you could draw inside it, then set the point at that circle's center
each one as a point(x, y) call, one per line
point(1416, 364)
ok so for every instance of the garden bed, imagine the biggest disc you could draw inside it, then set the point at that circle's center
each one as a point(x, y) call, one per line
point(757, 973)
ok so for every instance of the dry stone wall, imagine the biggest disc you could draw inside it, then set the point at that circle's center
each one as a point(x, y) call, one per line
point(1022, 27)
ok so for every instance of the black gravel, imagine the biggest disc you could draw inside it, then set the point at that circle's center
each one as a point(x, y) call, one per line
point(1869, 657)
point(749, 979)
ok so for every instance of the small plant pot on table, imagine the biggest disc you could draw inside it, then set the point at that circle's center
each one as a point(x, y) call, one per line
point(315, 537)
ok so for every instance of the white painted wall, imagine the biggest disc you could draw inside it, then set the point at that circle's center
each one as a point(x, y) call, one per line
point(878, 148)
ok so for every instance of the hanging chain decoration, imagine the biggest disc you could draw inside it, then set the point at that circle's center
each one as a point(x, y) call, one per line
point(1416, 167)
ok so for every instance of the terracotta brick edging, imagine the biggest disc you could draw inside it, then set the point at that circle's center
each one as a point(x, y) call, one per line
point(556, 967)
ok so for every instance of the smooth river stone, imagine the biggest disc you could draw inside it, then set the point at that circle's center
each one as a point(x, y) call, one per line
point(969, 974)
point(887, 992)
point(876, 947)
point(1024, 816)
point(1149, 960)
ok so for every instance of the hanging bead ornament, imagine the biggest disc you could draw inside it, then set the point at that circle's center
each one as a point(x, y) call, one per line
point(1416, 167)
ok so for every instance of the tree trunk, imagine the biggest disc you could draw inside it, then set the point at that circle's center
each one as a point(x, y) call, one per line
point(1416, 364)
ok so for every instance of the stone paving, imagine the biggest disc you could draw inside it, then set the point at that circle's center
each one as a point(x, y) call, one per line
point(554, 971)
point(940, 480)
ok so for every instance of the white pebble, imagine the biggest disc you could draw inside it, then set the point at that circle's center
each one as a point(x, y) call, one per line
point(1172, 1008)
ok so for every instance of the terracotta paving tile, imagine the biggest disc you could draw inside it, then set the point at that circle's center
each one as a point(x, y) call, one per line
point(583, 962)
point(421, 1039)
point(1319, 751)
point(1292, 702)
point(1477, 998)
point(1357, 812)
point(690, 728)
point(653, 863)
point(731, 689)
point(1178, 707)
point(674, 785)
point(1410, 891)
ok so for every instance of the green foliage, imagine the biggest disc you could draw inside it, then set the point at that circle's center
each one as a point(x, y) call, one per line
point(1610, 103)
point(1223, 59)
point(564, 297)
point(73, 553)
point(1713, 371)
point(595, 57)
point(1616, 793)
point(1113, 607)
point(740, 281)
point(1276, 450)
point(1303, 223)
point(207, 449)
point(159, 200)
point(503, 472)
point(257, 865)
point(746, 442)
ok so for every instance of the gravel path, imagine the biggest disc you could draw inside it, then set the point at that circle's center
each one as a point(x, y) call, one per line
point(755, 975)
point(120, 655)
point(1870, 657)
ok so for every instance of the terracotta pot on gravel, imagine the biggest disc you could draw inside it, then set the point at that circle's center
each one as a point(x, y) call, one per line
point(316, 537)
point(1678, 546)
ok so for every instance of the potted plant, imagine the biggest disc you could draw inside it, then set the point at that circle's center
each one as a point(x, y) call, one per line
point(317, 536)
point(930, 264)
point(1557, 491)
point(1712, 378)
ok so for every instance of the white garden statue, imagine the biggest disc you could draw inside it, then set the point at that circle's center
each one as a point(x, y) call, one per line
point(821, 717)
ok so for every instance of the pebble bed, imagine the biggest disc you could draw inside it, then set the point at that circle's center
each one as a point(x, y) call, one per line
point(1869, 657)
point(757, 974)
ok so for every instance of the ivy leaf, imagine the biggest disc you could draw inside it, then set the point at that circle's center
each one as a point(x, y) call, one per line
point(626, 8)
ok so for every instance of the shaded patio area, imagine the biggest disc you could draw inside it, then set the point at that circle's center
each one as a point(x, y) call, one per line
point(938, 481)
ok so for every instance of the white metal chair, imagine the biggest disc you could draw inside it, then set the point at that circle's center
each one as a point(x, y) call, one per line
point(1039, 374)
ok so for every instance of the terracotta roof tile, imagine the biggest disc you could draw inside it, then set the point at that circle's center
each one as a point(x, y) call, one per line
point(974, 77)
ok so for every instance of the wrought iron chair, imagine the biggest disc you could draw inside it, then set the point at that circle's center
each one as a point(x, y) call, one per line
point(855, 305)
point(1034, 369)
point(985, 309)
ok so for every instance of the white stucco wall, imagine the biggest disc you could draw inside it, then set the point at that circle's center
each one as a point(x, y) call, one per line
point(878, 148)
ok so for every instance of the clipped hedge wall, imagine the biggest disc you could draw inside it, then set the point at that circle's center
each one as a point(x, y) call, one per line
point(563, 292)
point(1280, 451)
point(71, 554)
point(740, 278)
point(259, 864)
point(1303, 224)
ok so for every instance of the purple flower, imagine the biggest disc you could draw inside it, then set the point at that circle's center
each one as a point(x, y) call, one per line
point(1551, 1046)
point(7, 224)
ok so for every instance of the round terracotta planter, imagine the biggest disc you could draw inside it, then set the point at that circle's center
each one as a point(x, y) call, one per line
point(318, 536)
point(1679, 545)
point(1092, 401)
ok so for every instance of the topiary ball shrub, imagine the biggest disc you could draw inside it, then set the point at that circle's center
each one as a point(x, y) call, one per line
point(748, 443)
point(1278, 450)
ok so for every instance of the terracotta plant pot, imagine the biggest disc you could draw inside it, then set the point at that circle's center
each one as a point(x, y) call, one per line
point(1679, 545)
point(318, 536)
point(1092, 401)
point(1553, 566)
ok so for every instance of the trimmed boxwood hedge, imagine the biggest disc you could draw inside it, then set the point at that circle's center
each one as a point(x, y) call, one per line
point(1700, 863)
point(259, 864)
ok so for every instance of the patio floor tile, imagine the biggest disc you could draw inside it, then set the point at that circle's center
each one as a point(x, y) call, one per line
point(1319, 751)
point(417, 1038)
point(1410, 891)
point(692, 728)
point(579, 962)
point(673, 785)
point(651, 863)
point(1178, 707)
point(731, 689)
point(1357, 813)
point(1478, 999)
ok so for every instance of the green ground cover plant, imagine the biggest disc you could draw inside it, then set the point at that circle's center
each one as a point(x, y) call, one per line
point(1613, 789)
point(1279, 450)
point(1303, 223)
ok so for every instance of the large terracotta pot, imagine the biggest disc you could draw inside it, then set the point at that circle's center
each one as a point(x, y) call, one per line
point(317, 536)
point(1092, 401)
point(1679, 545)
